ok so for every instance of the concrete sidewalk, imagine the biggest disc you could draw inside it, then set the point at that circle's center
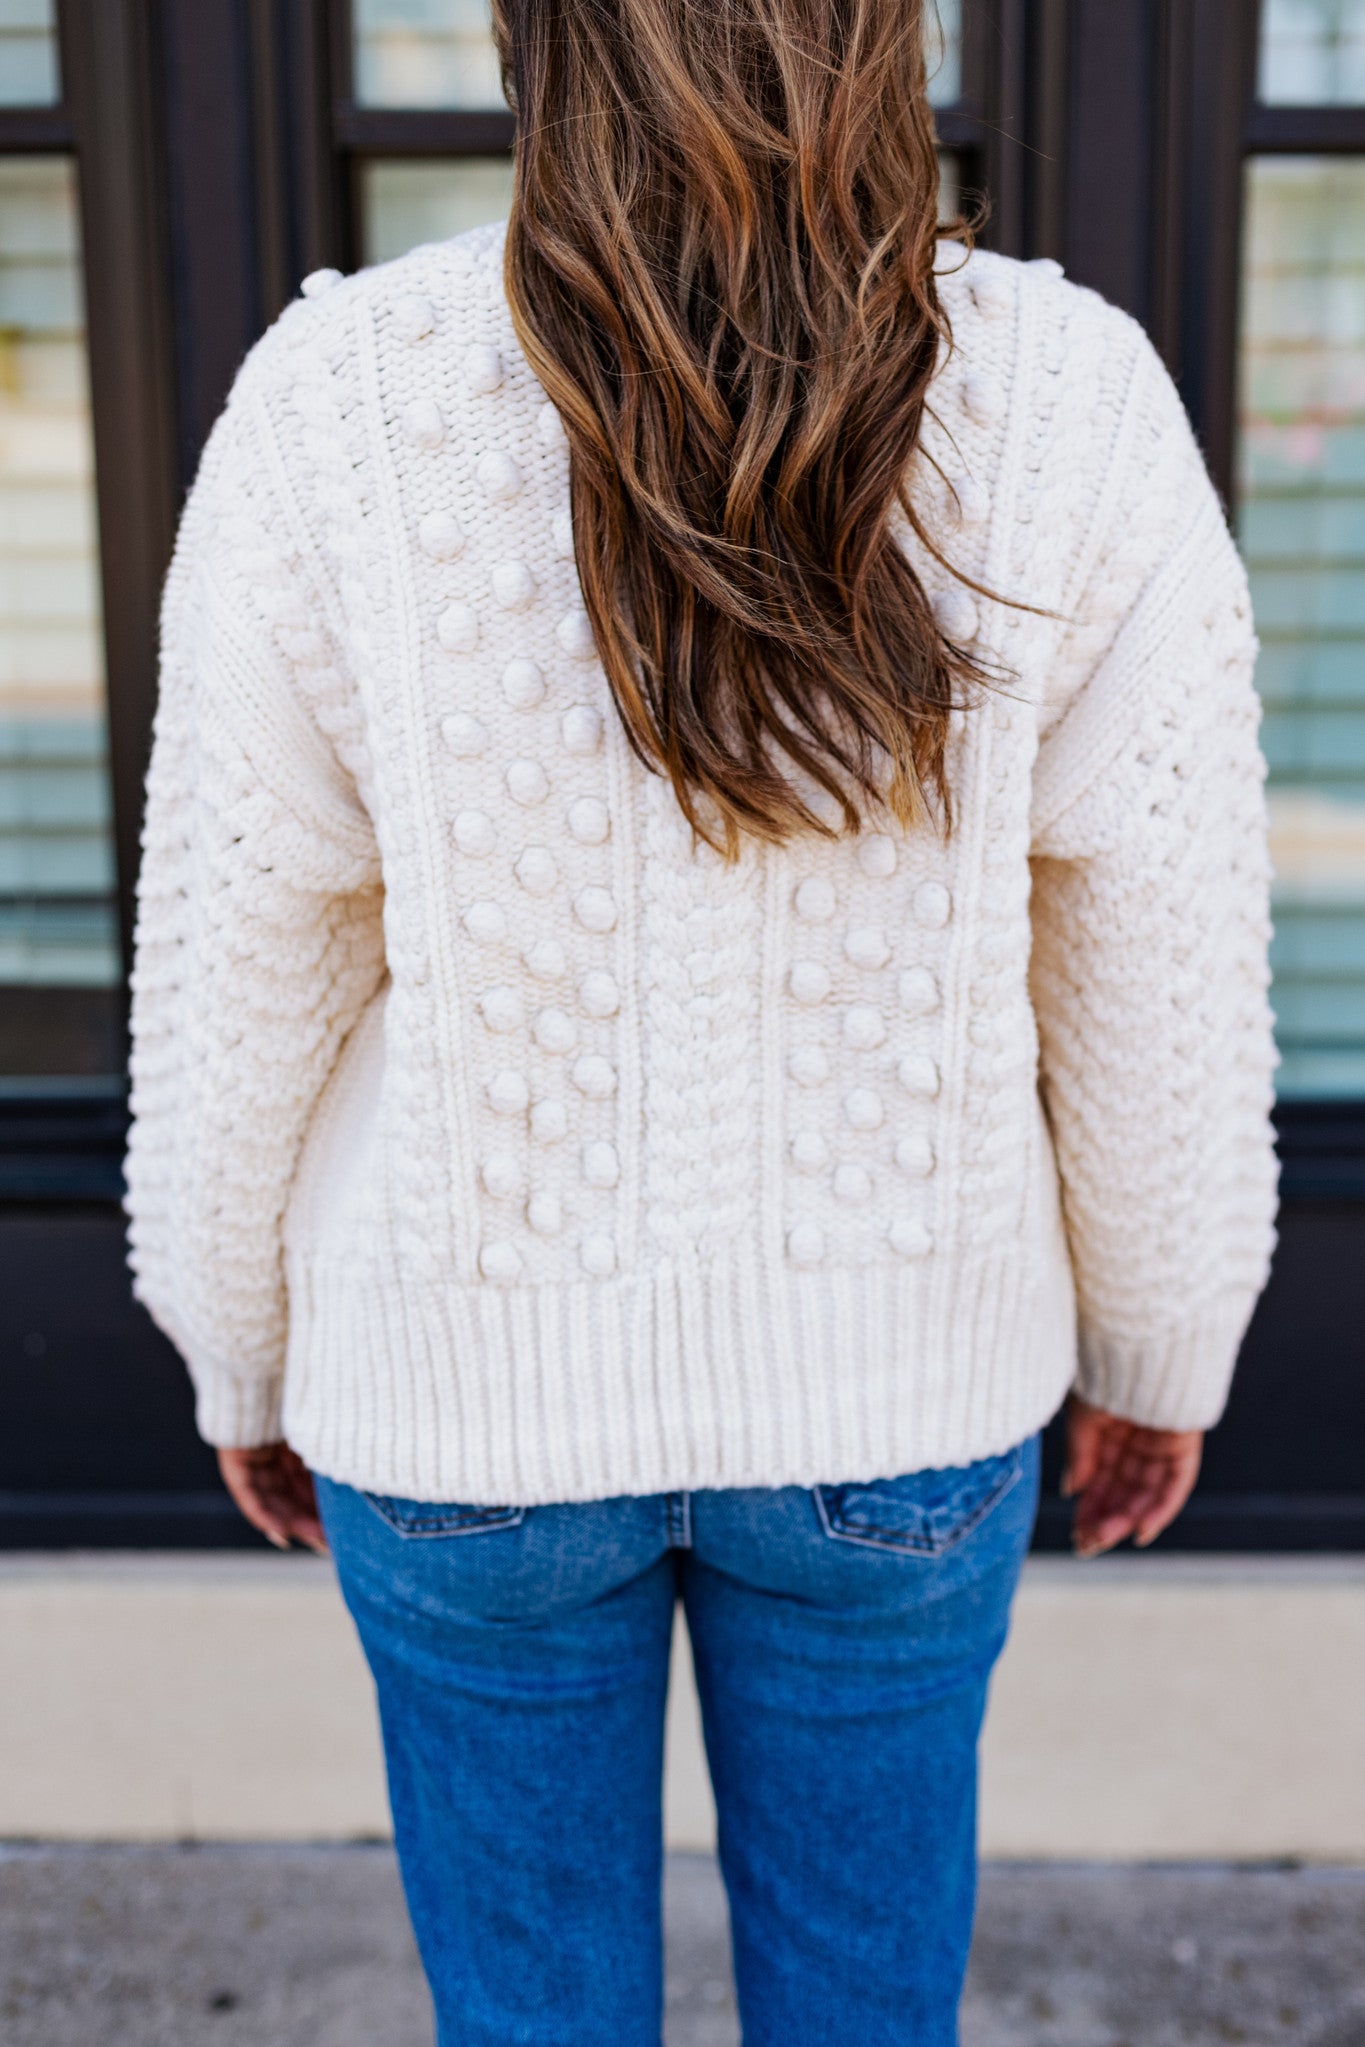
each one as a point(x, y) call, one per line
point(1146, 1709)
point(308, 1947)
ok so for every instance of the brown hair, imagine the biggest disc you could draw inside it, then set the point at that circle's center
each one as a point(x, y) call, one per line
point(720, 264)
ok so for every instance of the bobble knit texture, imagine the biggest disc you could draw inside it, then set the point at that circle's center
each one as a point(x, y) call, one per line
point(494, 1141)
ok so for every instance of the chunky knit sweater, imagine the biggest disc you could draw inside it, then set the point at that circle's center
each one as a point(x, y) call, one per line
point(494, 1140)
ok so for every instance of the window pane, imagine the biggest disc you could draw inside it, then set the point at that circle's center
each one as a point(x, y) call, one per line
point(425, 53)
point(945, 55)
point(58, 928)
point(439, 53)
point(1303, 529)
point(1313, 52)
point(403, 203)
point(28, 53)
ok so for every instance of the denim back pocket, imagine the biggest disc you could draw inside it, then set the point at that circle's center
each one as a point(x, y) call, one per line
point(922, 1513)
point(442, 1517)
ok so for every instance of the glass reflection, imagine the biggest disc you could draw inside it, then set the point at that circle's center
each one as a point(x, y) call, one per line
point(425, 53)
point(439, 53)
point(28, 53)
point(403, 203)
point(1313, 52)
point(944, 55)
point(1303, 531)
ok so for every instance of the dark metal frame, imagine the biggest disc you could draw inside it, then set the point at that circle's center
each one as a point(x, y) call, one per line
point(1308, 131)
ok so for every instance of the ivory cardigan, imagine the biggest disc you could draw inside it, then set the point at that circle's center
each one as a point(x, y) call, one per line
point(494, 1141)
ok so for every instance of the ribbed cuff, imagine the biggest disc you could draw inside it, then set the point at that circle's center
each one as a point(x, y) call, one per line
point(1168, 1379)
point(238, 1414)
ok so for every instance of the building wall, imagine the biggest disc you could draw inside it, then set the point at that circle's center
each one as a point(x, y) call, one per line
point(1145, 1709)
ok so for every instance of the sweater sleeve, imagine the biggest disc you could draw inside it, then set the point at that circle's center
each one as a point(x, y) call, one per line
point(1150, 936)
point(258, 937)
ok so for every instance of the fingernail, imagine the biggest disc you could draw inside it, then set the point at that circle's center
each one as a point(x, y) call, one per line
point(279, 1541)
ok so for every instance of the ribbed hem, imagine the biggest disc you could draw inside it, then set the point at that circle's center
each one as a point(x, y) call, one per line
point(731, 1374)
point(238, 1414)
point(1174, 1379)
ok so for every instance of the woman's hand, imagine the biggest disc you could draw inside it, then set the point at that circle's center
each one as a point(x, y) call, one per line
point(274, 1489)
point(1125, 1479)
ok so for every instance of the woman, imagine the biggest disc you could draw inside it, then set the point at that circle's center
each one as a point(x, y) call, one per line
point(702, 961)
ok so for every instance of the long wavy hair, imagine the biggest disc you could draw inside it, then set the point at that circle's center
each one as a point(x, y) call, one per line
point(720, 264)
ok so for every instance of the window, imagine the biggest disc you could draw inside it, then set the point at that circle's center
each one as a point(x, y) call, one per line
point(945, 55)
point(427, 55)
point(423, 57)
point(28, 54)
point(944, 58)
point(1312, 53)
point(1301, 476)
point(60, 962)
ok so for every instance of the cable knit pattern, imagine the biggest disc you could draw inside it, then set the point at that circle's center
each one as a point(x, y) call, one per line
point(496, 1142)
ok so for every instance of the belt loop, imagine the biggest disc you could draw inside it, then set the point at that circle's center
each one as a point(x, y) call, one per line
point(679, 1520)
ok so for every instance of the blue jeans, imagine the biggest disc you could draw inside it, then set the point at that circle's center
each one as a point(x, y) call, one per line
point(843, 1638)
